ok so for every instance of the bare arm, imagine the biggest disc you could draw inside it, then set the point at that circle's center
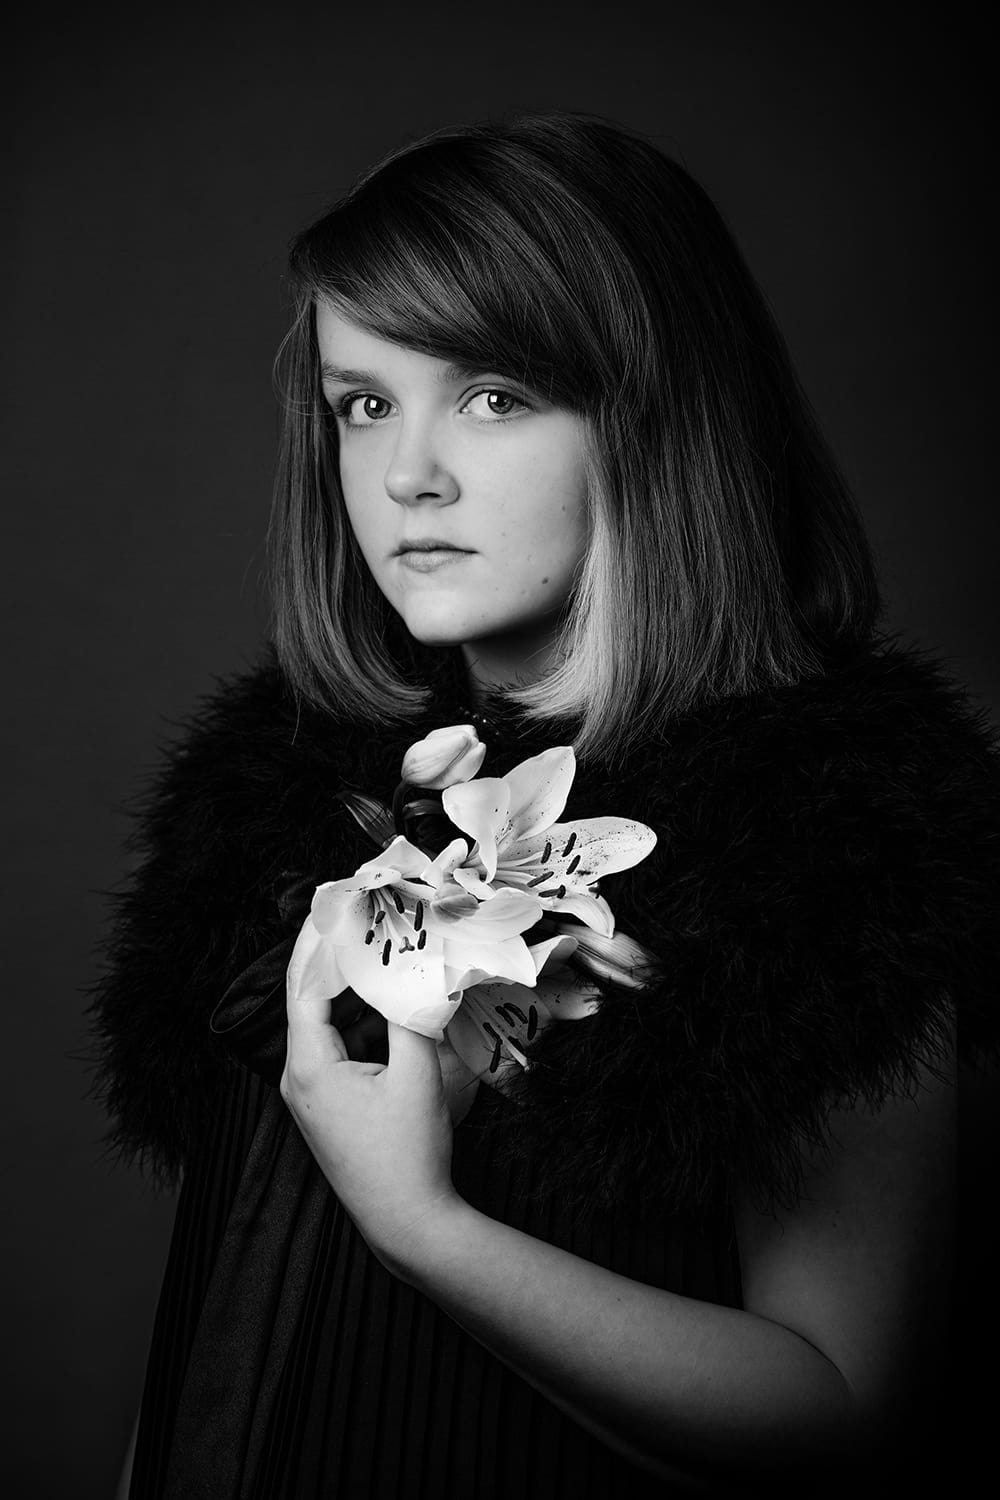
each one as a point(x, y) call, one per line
point(841, 1295)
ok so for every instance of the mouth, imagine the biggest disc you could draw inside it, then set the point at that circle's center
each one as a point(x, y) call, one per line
point(428, 555)
point(427, 544)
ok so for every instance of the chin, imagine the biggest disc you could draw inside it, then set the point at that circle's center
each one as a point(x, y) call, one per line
point(439, 628)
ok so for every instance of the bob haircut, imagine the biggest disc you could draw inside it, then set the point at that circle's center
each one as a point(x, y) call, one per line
point(725, 553)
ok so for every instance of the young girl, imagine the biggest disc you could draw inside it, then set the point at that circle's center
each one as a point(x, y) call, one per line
point(548, 481)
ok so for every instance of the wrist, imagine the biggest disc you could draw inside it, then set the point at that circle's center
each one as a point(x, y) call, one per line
point(431, 1240)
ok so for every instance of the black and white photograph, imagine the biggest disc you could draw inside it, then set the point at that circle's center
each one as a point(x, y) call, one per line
point(502, 770)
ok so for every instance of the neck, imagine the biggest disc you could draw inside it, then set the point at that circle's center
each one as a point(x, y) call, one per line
point(496, 666)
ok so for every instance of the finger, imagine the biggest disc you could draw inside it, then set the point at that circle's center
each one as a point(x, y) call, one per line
point(311, 1036)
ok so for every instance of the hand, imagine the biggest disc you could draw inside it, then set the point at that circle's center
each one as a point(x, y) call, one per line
point(364, 1034)
point(381, 1134)
point(362, 1029)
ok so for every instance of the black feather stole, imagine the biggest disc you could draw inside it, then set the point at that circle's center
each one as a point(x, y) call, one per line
point(822, 897)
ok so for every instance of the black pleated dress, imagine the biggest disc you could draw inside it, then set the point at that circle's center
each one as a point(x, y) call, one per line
point(288, 1364)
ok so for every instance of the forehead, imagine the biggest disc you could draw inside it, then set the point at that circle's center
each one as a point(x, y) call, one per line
point(334, 331)
point(349, 354)
point(344, 344)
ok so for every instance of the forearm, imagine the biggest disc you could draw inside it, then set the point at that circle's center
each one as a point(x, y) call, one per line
point(670, 1382)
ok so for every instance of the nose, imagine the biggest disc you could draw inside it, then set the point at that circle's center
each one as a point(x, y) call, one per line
point(418, 471)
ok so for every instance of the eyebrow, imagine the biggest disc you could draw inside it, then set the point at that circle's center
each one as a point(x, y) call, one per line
point(450, 375)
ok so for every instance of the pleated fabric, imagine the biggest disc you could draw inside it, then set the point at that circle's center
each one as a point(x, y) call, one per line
point(288, 1364)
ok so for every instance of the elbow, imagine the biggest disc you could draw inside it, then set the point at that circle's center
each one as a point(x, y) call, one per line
point(808, 1443)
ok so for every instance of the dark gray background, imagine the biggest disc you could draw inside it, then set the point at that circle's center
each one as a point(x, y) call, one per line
point(164, 162)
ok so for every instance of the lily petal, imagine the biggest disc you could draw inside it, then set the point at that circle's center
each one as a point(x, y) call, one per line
point(400, 855)
point(433, 1019)
point(474, 881)
point(314, 971)
point(507, 914)
point(342, 915)
point(593, 911)
point(410, 982)
point(444, 865)
point(400, 860)
point(597, 846)
point(539, 787)
point(479, 808)
point(493, 1026)
point(569, 998)
point(470, 963)
point(482, 1054)
point(454, 905)
point(552, 951)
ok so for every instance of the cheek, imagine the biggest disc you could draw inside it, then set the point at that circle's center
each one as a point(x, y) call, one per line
point(556, 527)
point(360, 507)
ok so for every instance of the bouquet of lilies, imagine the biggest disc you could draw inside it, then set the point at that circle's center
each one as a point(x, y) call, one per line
point(487, 923)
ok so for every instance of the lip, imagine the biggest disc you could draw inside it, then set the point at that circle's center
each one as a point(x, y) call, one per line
point(428, 544)
point(429, 559)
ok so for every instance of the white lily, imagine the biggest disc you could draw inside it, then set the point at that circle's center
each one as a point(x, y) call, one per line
point(496, 1022)
point(520, 845)
point(436, 944)
point(408, 940)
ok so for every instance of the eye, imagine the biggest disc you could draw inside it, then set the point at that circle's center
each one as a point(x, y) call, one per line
point(495, 404)
point(362, 410)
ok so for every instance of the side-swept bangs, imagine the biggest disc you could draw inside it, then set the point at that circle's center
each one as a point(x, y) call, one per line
point(574, 257)
point(465, 254)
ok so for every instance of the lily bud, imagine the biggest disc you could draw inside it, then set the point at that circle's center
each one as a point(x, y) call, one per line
point(444, 758)
point(619, 959)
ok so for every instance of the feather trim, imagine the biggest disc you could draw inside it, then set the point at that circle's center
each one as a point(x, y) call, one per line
point(823, 900)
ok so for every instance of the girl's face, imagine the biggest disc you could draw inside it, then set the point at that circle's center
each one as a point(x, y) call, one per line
point(466, 493)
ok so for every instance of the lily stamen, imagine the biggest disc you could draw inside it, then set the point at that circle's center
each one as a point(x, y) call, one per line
point(569, 843)
point(387, 949)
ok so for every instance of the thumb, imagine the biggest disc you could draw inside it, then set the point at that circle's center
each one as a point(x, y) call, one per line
point(412, 1057)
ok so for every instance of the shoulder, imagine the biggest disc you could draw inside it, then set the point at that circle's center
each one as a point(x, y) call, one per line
point(869, 792)
point(887, 715)
point(254, 777)
point(823, 901)
point(881, 719)
point(243, 809)
point(250, 730)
